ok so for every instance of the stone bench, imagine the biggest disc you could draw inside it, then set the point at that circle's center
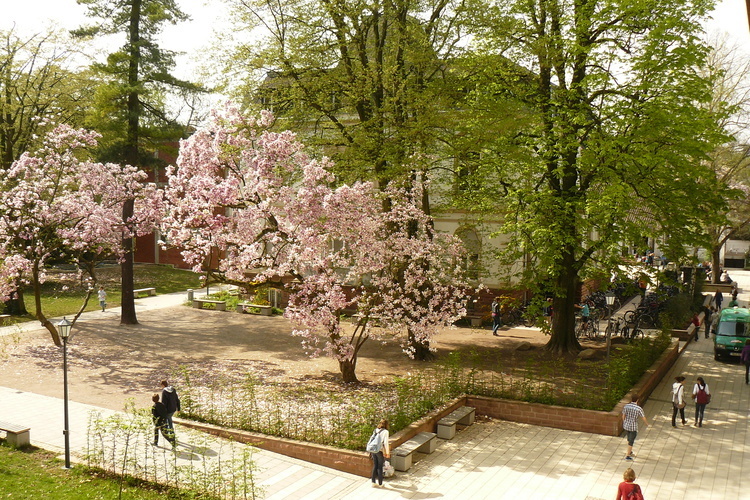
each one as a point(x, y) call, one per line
point(724, 288)
point(16, 435)
point(219, 305)
point(474, 319)
point(147, 291)
point(446, 427)
point(424, 442)
point(244, 307)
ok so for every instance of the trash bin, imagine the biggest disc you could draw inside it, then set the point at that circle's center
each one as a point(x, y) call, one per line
point(190, 294)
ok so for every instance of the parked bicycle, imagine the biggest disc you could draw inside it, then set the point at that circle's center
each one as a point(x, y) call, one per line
point(633, 330)
point(517, 316)
point(588, 329)
point(613, 327)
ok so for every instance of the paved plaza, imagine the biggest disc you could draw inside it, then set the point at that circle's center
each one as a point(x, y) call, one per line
point(505, 460)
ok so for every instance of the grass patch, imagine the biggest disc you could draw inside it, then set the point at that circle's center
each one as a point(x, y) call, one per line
point(63, 293)
point(35, 473)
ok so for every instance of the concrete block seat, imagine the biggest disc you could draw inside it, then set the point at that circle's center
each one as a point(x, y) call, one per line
point(244, 307)
point(16, 435)
point(219, 305)
point(424, 442)
point(146, 291)
point(446, 427)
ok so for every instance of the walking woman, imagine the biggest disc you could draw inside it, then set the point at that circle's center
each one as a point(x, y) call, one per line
point(497, 321)
point(379, 450)
point(702, 398)
point(678, 400)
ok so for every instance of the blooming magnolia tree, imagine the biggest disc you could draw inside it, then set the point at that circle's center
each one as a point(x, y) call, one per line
point(57, 204)
point(271, 212)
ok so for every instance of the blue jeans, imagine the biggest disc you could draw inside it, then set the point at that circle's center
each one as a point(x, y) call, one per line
point(497, 322)
point(378, 460)
point(170, 424)
point(699, 409)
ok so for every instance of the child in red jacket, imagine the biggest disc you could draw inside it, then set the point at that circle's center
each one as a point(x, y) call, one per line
point(628, 489)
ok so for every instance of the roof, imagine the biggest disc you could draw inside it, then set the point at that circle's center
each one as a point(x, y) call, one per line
point(735, 315)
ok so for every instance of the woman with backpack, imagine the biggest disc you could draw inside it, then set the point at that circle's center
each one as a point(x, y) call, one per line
point(379, 450)
point(702, 397)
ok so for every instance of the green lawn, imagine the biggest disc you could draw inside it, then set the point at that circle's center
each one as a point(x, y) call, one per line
point(35, 473)
point(63, 294)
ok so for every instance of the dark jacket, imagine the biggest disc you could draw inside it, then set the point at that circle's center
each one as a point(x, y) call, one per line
point(745, 356)
point(159, 412)
point(170, 399)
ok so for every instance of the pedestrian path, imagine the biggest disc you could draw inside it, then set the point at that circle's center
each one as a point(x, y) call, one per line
point(280, 476)
point(505, 460)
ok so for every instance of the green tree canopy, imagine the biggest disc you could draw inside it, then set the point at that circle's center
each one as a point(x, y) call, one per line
point(367, 82)
point(611, 137)
point(39, 84)
point(132, 98)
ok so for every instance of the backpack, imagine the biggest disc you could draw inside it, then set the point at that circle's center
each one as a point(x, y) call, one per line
point(702, 398)
point(375, 443)
point(635, 494)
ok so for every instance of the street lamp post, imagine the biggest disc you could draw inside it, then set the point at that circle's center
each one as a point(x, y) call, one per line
point(610, 298)
point(64, 328)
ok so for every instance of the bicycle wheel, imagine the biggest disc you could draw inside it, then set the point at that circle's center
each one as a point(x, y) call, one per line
point(629, 316)
point(579, 328)
point(625, 332)
point(528, 320)
point(646, 320)
point(592, 331)
point(637, 334)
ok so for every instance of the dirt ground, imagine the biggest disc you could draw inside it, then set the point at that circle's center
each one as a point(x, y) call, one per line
point(110, 363)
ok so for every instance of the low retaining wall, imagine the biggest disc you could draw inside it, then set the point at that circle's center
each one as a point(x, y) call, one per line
point(353, 462)
point(608, 423)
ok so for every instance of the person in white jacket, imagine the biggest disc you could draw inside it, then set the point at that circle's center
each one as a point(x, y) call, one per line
point(702, 396)
point(678, 400)
point(384, 451)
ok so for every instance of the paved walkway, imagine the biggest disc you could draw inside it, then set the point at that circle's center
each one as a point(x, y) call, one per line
point(505, 460)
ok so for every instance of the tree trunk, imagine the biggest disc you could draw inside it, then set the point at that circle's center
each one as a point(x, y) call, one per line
point(348, 370)
point(715, 264)
point(563, 339)
point(422, 350)
point(52, 329)
point(128, 315)
point(16, 305)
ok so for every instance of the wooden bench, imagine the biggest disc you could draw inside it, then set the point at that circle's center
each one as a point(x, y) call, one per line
point(446, 427)
point(219, 305)
point(16, 435)
point(244, 307)
point(148, 291)
point(424, 442)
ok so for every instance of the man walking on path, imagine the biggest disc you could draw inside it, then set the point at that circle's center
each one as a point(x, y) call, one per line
point(497, 321)
point(630, 414)
point(159, 414)
point(171, 401)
